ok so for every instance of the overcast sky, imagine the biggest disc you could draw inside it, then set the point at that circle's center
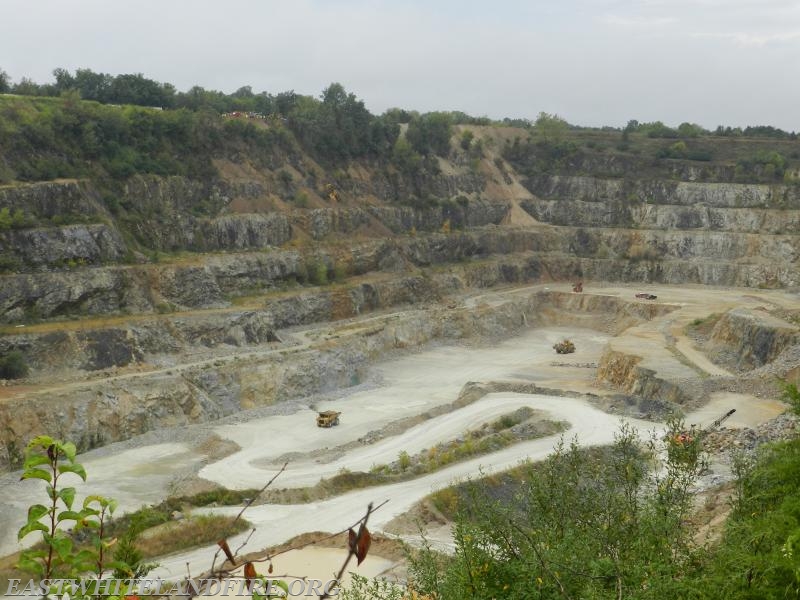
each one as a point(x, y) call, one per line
point(594, 62)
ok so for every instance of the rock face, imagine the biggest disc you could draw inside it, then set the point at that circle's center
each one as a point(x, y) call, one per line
point(193, 270)
point(94, 414)
point(63, 246)
point(623, 372)
point(612, 255)
point(50, 199)
point(748, 339)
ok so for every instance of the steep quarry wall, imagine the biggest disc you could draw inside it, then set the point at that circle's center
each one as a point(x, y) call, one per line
point(747, 339)
point(94, 414)
point(711, 258)
point(665, 192)
point(623, 372)
point(170, 220)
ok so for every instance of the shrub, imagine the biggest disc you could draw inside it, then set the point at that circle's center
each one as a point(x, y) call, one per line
point(10, 220)
point(13, 365)
point(300, 199)
point(404, 460)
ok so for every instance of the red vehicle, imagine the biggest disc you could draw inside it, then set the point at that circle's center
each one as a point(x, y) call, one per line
point(646, 296)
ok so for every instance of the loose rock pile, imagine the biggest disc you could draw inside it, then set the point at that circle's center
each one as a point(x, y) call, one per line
point(748, 439)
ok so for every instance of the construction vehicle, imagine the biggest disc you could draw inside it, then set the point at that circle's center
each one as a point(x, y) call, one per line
point(694, 434)
point(564, 347)
point(332, 193)
point(328, 418)
point(646, 296)
point(577, 287)
point(685, 446)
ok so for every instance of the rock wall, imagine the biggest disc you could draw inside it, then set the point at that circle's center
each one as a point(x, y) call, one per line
point(748, 339)
point(623, 372)
point(70, 245)
point(175, 213)
point(664, 191)
point(555, 254)
point(94, 414)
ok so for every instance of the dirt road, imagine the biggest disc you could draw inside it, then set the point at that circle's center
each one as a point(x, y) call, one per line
point(410, 385)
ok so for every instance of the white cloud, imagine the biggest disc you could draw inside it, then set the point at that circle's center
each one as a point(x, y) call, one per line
point(752, 39)
point(593, 61)
point(637, 21)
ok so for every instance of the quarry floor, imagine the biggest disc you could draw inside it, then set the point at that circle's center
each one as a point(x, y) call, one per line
point(145, 471)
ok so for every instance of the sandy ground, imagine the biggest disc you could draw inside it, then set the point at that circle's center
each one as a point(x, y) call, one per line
point(275, 523)
point(410, 386)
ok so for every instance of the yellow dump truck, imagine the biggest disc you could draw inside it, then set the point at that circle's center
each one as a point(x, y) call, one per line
point(328, 418)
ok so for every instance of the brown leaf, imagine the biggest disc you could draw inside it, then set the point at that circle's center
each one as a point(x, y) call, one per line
point(249, 573)
point(361, 546)
point(223, 543)
point(351, 540)
point(270, 569)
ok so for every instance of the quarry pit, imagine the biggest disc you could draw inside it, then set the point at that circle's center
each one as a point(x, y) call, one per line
point(407, 380)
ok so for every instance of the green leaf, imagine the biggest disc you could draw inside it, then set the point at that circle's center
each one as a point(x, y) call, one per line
point(67, 494)
point(42, 441)
point(95, 499)
point(90, 523)
point(86, 555)
point(120, 566)
point(36, 474)
point(73, 468)
point(85, 560)
point(36, 512)
point(68, 515)
point(30, 565)
point(63, 546)
point(31, 527)
point(35, 460)
point(70, 451)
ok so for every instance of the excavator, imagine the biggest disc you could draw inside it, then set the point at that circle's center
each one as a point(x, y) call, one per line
point(693, 434)
point(685, 446)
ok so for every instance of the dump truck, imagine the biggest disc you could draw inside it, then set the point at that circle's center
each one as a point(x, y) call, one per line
point(328, 418)
point(564, 347)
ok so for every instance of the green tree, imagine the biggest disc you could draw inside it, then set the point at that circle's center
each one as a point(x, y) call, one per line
point(552, 128)
point(5, 82)
point(466, 140)
point(583, 524)
point(690, 130)
point(405, 157)
point(64, 80)
point(430, 133)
